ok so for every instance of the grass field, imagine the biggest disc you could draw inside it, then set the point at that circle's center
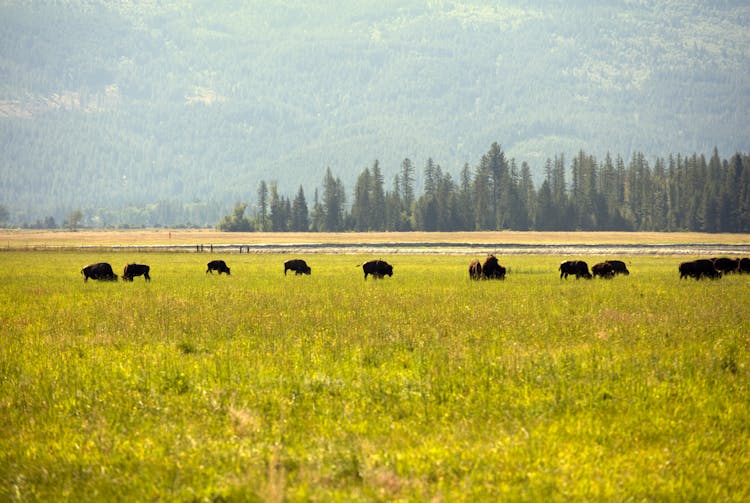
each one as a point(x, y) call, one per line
point(423, 386)
point(20, 239)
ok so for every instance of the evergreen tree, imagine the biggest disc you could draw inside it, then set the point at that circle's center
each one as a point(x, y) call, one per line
point(426, 211)
point(406, 183)
point(333, 203)
point(393, 207)
point(495, 167)
point(430, 177)
point(672, 196)
point(361, 207)
point(466, 204)
point(280, 211)
point(262, 217)
point(590, 208)
point(526, 199)
point(300, 217)
point(483, 206)
point(658, 195)
point(446, 204)
point(546, 212)
point(317, 215)
point(377, 198)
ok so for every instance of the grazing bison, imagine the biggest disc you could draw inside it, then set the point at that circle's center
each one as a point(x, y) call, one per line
point(698, 269)
point(217, 265)
point(619, 267)
point(744, 265)
point(298, 266)
point(725, 265)
point(475, 270)
point(577, 267)
point(491, 269)
point(100, 270)
point(604, 270)
point(133, 270)
point(377, 268)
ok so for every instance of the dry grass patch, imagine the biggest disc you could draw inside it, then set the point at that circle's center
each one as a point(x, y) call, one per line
point(19, 239)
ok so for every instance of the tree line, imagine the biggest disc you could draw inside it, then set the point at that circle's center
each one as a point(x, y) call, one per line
point(676, 193)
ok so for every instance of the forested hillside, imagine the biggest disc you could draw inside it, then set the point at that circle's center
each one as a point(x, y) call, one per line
point(169, 113)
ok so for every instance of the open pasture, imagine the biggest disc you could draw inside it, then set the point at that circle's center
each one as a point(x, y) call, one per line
point(423, 386)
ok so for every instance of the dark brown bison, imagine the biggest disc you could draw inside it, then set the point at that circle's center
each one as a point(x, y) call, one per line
point(491, 268)
point(218, 265)
point(577, 267)
point(299, 266)
point(619, 267)
point(133, 270)
point(604, 270)
point(726, 265)
point(698, 269)
point(377, 268)
point(475, 270)
point(744, 265)
point(99, 271)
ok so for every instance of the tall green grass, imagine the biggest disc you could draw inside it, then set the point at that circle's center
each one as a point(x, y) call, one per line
point(261, 387)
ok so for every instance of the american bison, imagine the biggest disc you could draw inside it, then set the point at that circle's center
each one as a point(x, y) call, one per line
point(744, 265)
point(377, 268)
point(619, 267)
point(299, 266)
point(217, 265)
point(726, 265)
point(133, 270)
point(475, 270)
point(604, 270)
point(491, 269)
point(577, 267)
point(100, 270)
point(698, 269)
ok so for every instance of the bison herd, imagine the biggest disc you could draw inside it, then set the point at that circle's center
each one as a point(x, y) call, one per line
point(489, 269)
point(714, 268)
point(103, 270)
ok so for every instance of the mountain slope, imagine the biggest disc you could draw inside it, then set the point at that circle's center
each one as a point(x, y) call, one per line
point(116, 105)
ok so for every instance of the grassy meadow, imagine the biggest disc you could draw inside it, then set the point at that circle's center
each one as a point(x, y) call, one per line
point(423, 386)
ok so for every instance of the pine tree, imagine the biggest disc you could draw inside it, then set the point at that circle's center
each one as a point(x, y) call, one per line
point(526, 199)
point(483, 206)
point(546, 212)
point(300, 217)
point(361, 207)
point(333, 203)
point(430, 177)
point(446, 203)
point(393, 212)
point(377, 198)
point(426, 209)
point(280, 211)
point(406, 183)
point(466, 204)
point(317, 214)
point(495, 166)
point(262, 218)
